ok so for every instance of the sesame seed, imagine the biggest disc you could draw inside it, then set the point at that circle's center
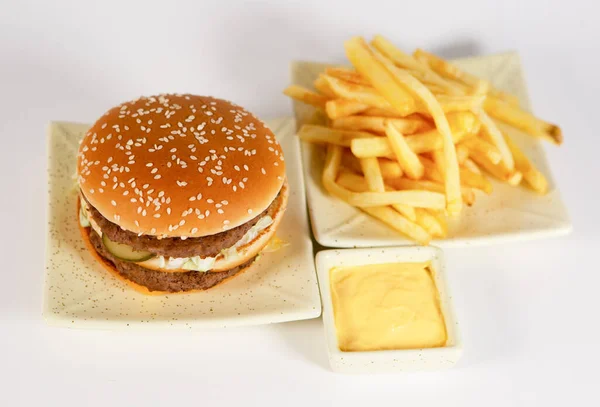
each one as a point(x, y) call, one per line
point(249, 210)
point(220, 211)
point(194, 230)
point(263, 171)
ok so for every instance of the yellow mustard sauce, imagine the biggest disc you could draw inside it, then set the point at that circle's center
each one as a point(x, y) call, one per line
point(386, 307)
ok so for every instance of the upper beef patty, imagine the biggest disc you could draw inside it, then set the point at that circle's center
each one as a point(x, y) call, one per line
point(161, 281)
point(207, 246)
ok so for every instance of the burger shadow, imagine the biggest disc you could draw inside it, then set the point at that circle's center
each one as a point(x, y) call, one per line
point(306, 339)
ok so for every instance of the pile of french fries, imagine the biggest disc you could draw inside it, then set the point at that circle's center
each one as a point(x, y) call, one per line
point(411, 137)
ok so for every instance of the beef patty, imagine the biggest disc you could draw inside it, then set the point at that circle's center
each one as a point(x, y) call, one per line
point(206, 246)
point(161, 281)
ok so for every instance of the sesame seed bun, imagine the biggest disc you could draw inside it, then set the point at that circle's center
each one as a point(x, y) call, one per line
point(180, 166)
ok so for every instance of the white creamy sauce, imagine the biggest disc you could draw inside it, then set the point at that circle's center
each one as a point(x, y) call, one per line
point(195, 263)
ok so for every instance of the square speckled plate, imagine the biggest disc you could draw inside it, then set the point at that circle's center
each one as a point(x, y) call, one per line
point(79, 292)
point(507, 214)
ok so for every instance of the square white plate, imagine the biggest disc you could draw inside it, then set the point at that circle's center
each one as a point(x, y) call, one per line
point(281, 286)
point(389, 360)
point(509, 213)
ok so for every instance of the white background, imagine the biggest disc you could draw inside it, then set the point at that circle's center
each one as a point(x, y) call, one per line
point(528, 310)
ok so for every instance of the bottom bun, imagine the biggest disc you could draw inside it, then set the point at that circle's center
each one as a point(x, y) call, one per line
point(111, 265)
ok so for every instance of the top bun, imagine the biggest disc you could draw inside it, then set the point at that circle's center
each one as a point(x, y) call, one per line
point(180, 166)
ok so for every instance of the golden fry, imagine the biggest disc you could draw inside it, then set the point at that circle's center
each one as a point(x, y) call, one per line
point(306, 96)
point(417, 69)
point(370, 168)
point(494, 135)
point(462, 153)
point(406, 157)
point(392, 218)
point(324, 135)
point(347, 75)
point(450, 71)
point(402, 184)
point(474, 180)
point(498, 171)
point(429, 222)
point(365, 62)
point(322, 86)
point(406, 125)
point(359, 93)
point(532, 175)
point(523, 120)
point(480, 146)
point(356, 183)
point(337, 108)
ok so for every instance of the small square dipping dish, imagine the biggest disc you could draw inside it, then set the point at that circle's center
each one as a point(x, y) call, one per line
point(383, 361)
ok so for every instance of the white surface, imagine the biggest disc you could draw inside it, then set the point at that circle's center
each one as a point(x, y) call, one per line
point(389, 361)
point(508, 214)
point(79, 293)
point(528, 310)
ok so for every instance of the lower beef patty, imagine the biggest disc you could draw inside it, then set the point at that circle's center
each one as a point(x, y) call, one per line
point(161, 281)
point(207, 246)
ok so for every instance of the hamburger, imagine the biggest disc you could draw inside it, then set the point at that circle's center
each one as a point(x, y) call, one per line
point(179, 193)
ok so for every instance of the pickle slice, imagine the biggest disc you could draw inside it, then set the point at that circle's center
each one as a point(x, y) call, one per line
point(125, 252)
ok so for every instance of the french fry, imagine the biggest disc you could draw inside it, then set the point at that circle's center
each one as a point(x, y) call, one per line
point(462, 123)
point(499, 171)
point(324, 135)
point(406, 157)
point(438, 159)
point(372, 147)
point(360, 93)
point(532, 175)
point(402, 184)
point(306, 96)
point(416, 68)
point(370, 168)
point(471, 166)
point(347, 75)
point(462, 154)
point(389, 168)
point(426, 98)
point(450, 71)
point(408, 125)
point(523, 120)
point(337, 108)
point(475, 180)
point(429, 222)
point(395, 220)
point(431, 169)
point(441, 218)
point(480, 146)
point(381, 112)
point(451, 103)
point(322, 86)
point(494, 135)
point(419, 143)
point(365, 62)
point(356, 183)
